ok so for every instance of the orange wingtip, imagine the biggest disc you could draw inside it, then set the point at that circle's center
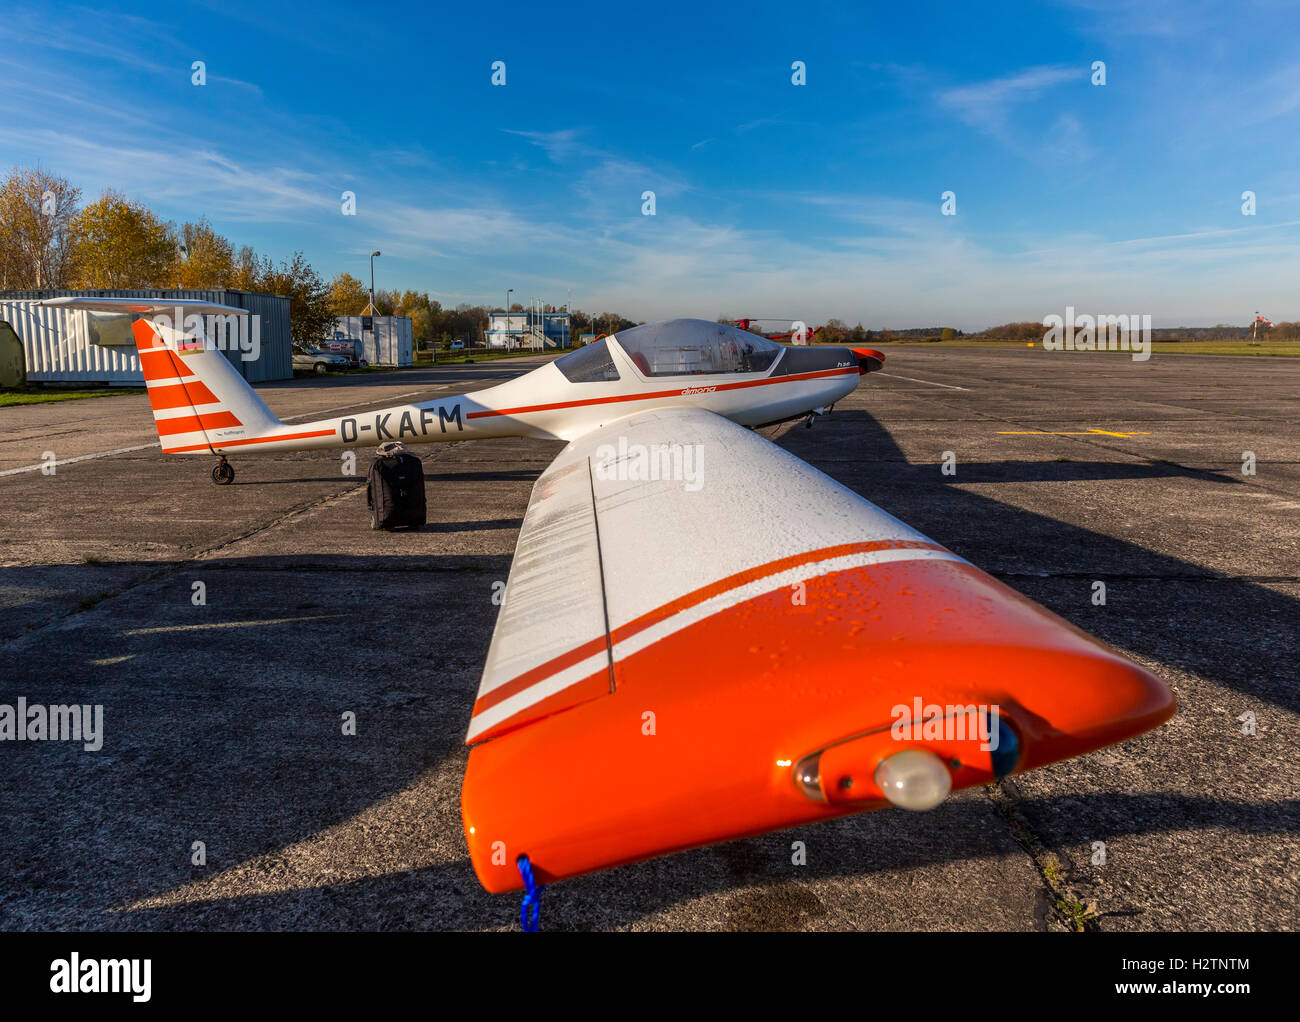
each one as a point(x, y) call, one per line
point(716, 731)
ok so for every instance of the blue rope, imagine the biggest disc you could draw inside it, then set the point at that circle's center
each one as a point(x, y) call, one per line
point(530, 911)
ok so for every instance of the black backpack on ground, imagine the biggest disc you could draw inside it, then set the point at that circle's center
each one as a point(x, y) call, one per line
point(395, 492)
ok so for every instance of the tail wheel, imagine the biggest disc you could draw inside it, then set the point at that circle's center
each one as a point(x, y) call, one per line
point(223, 474)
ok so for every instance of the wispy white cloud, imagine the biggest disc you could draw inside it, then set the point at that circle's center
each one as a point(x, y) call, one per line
point(560, 146)
point(988, 105)
point(1168, 20)
point(889, 261)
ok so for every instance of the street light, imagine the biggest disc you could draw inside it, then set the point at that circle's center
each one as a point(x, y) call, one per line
point(372, 281)
point(505, 341)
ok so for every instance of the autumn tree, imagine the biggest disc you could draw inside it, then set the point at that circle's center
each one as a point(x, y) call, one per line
point(310, 318)
point(1023, 331)
point(207, 259)
point(348, 296)
point(37, 215)
point(424, 312)
point(386, 302)
point(121, 244)
point(247, 269)
point(836, 331)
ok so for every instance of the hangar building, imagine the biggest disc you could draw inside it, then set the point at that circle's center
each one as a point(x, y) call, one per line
point(67, 346)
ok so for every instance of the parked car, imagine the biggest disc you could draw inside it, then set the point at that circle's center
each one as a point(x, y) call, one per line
point(457, 345)
point(317, 361)
point(348, 349)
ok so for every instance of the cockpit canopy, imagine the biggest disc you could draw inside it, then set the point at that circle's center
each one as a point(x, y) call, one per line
point(689, 347)
point(591, 363)
point(676, 347)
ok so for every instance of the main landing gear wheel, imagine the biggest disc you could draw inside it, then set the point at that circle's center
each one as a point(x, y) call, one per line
point(223, 474)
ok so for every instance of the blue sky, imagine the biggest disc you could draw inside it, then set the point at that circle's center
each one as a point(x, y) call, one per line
point(772, 200)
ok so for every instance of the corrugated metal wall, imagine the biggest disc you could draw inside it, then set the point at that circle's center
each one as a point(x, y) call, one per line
point(389, 342)
point(60, 349)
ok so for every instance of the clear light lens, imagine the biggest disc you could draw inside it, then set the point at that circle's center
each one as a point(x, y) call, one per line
point(806, 776)
point(914, 779)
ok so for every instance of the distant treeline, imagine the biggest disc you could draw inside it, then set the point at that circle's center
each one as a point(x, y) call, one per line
point(1030, 330)
point(838, 332)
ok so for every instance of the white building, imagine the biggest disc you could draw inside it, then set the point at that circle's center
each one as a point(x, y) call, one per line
point(379, 340)
point(535, 328)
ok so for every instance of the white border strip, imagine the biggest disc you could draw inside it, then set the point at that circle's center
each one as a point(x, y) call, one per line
point(634, 644)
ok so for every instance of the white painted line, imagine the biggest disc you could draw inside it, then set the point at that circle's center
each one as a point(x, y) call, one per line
point(84, 457)
point(912, 379)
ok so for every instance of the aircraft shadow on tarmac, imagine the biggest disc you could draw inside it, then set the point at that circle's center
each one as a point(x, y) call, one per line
point(448, 896)
point(423, 722)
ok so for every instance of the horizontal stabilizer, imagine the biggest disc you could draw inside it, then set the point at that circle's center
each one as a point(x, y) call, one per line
point(145, 306)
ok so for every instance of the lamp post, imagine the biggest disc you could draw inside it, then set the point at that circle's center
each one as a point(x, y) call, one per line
point(372, 281)
point(505, 341)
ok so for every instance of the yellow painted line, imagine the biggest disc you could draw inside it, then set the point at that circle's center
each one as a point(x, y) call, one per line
point(1086, 432)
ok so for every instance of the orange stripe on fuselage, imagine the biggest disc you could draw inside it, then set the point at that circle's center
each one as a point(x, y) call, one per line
point(675, 392)
point(222, 444)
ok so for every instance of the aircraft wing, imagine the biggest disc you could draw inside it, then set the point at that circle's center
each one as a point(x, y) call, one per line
point(703, 637)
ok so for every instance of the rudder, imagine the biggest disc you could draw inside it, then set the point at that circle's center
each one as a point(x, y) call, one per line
point(199, 399)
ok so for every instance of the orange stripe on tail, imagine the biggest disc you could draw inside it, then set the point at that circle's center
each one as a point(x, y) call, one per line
point(195, 423)
point(180, 395)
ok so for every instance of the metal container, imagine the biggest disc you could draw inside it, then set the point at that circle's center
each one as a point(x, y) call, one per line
point(70, 346)
point(382, 340)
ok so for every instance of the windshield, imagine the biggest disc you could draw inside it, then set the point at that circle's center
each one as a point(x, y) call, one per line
point(688, 347)
point(589, 364)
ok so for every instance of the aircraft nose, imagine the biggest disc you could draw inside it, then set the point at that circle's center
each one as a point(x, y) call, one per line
point(869, 360)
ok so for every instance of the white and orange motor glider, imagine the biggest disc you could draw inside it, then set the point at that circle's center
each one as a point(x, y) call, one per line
point(702, 637)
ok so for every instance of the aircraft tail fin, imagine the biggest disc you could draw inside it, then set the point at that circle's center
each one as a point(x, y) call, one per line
point(199, 399)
